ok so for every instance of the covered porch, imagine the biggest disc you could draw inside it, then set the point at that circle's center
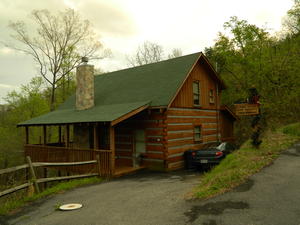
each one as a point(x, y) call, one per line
point(78, 142)
point(71, 135)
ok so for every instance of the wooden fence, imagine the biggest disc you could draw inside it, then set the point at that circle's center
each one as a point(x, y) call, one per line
point(45, 153)
point(35, 181)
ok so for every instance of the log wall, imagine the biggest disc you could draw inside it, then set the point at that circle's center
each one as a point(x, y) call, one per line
point(180, 132)
point(153, 122)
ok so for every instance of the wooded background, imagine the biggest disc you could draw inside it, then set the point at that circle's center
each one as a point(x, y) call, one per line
point(246, 56)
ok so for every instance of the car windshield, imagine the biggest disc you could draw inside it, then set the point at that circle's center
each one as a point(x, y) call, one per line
point(222, 146)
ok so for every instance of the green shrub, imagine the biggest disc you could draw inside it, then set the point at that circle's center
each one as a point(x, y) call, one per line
point(292, 129)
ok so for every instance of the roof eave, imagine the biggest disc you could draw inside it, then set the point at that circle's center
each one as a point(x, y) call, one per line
point(128, 115)
point(227, 109)
point(186, 77)
point(217, 77)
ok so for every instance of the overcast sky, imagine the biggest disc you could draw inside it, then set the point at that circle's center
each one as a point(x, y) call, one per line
point(190, 25)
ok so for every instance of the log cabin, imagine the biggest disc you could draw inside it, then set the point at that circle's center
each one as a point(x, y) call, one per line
point(145, 116)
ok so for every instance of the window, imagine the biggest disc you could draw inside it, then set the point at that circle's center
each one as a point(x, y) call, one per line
point(211, 96)
point(197, 133)
point(196, 93)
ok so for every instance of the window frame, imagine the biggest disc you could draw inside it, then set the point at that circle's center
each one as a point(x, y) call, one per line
point(211, 96)
point(197, 139)
point(198, 94)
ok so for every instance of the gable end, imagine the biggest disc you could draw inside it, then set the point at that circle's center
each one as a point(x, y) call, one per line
point(209, 82)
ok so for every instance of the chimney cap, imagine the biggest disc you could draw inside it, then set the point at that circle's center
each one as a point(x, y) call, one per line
point(84, 59)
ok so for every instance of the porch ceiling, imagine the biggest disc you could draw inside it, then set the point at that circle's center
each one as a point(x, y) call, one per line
point(101, 113)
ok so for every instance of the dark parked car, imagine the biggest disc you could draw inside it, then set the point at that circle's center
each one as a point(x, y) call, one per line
point(206, 157)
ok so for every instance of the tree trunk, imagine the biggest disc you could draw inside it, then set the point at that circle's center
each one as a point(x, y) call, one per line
point(68, 83)
point(63, 89)
point(52, 100)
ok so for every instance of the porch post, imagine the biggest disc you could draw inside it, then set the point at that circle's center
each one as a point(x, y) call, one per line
point(59, 134)
point(68, 136)
point(112, 147)
point(96, 136)
point(44, 135)
point(26, 150)
point(26, 135)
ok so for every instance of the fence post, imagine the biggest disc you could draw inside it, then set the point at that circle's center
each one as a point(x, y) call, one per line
point(33, 174)
point(45, 176)
point(98, 164)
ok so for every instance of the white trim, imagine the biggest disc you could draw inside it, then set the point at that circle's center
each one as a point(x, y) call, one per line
point(180, 146)
point(180, 131)
point(210, 142)
point(175, 124)
point(210, 135)
point(190, 145)
point(206, 129)
point(155, 152)
point(179, 139)
point(156, 144)
point(175, 155)
point(209, 123)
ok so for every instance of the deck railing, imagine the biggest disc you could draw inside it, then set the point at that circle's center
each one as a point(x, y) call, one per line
point(46, 153)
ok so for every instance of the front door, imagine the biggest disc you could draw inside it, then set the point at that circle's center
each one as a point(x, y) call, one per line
point(140, 147)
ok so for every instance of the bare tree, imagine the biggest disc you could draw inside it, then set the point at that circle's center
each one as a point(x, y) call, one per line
point(150, 52)
point(146, 53)
point(57, 45)
point(176, 52)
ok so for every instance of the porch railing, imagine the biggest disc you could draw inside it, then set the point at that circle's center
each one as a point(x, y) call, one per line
point(45, 153)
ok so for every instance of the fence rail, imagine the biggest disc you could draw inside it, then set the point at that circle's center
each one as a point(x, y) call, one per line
point(51, 154)
point(36, 181)
point(12, 169)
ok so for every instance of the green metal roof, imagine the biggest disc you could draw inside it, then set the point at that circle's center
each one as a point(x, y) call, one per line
point(120, 92)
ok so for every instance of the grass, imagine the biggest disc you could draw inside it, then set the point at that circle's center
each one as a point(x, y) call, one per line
point(237, 167)
point(16, 201)
point(292, 129)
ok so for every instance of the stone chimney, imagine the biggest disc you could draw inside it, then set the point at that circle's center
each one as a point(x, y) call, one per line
point(85, 85)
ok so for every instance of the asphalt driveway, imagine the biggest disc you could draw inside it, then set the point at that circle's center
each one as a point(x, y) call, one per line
point(143, 198)
point(271, 197)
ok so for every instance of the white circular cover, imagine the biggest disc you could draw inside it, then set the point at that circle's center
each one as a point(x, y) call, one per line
point(71, 206)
